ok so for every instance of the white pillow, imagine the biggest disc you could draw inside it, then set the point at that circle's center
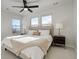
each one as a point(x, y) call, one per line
point(44, 32)
point(30, 32)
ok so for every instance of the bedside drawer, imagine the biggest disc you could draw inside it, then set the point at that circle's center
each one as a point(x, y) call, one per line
point(59, 37)
point(59, 40)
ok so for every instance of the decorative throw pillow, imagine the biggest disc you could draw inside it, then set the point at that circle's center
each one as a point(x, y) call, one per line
point(36, 33)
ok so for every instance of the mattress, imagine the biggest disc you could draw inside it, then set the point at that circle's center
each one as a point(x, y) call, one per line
point(29, 53)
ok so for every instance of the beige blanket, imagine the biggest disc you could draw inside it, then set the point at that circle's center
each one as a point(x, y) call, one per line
point(22, 43)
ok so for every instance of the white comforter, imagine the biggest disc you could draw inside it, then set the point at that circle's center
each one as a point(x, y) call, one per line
point(26, 39)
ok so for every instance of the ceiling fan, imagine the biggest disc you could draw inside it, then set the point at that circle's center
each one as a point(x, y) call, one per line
point(26, 6)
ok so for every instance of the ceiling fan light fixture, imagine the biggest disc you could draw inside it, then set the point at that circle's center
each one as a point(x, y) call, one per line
point(25, 9)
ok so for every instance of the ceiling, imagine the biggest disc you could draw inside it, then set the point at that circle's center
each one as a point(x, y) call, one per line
point(43, 5)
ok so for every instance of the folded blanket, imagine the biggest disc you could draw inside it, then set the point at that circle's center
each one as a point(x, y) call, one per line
point(22, 43)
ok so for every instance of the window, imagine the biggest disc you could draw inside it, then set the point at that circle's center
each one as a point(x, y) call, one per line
point(34, 22)
point(16, 25)
point(46, 20)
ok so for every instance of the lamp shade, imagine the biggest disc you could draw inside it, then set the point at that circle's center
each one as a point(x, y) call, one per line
point(59, 26)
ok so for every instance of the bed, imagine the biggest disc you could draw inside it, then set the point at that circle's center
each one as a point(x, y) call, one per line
point(29, 46)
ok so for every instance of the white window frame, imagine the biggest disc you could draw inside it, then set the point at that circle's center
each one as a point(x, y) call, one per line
point(49, 24)
point(14, 30)
point(35, 25)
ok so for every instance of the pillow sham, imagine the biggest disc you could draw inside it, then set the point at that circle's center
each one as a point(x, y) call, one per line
point(33, 32)
point(44, 32)
point(30, 32)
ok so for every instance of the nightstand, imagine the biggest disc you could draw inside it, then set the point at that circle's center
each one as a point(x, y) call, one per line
point(58, 41)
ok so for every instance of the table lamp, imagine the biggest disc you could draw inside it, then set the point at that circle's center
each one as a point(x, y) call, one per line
point(59, 26)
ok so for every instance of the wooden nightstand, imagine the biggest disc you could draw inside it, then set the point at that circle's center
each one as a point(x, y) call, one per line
point(58, 41)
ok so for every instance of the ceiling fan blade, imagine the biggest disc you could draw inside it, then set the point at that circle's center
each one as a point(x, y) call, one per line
point(22, 10)
point(36, 6)
point(18, 6)
point(30, 10)
point(24, 2)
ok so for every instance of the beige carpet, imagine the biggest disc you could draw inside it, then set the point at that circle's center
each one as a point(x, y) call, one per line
point(61, 53)
point(53, 53)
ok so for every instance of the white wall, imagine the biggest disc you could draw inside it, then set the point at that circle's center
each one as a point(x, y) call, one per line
point(65, 15)
point(61, 14)
point(6, 18)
